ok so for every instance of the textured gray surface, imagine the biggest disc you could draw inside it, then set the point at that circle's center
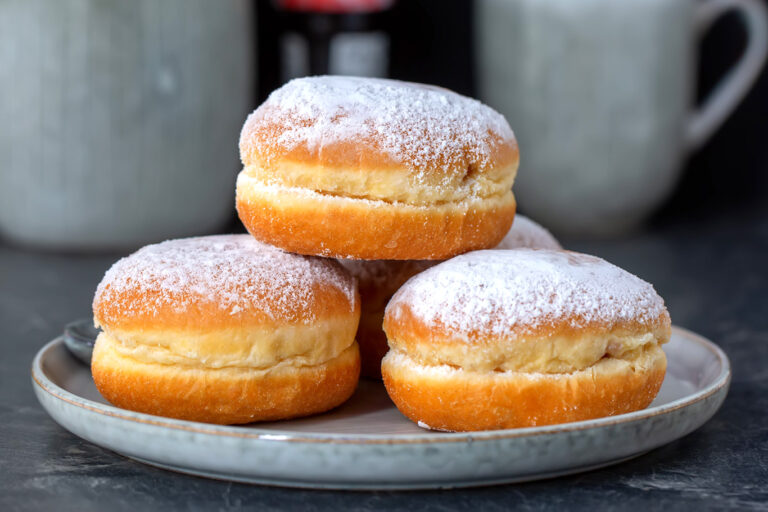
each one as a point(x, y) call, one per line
point(714, 279)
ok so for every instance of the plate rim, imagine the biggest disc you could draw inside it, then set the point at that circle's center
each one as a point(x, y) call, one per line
point(41, 380)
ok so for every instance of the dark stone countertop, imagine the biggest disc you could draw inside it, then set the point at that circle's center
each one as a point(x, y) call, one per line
point(713, 275)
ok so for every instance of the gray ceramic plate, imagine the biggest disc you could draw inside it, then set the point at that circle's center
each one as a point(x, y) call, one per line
point(368, 444)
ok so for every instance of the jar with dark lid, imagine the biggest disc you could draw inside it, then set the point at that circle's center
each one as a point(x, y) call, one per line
point(317, 37)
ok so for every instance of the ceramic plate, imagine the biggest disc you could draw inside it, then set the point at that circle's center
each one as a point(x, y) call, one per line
point(368, 444)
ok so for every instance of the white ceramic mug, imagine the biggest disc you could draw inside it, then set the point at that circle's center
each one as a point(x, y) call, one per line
point(119, 120)
point(599, 93)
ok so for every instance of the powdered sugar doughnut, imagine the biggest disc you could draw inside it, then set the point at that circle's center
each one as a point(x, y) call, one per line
point(526, 233)
point(377, 281)
point(376, 169)
point(225, 329)
point(504, 339)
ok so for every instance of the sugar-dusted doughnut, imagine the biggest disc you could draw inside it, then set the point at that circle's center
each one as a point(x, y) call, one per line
point(503, 339)
point(528, 234)
point(378, 280)
point(376, 169)
point(225, 329)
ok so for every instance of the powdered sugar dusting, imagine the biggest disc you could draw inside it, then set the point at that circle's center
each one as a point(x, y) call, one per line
point(526, 233)
point(506, 293)
point(234, 272)
point(416, 125)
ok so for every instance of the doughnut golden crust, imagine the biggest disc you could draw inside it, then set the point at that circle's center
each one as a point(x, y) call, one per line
point(376, 169)
point(225, 329)
point(223, 395)
point(310, 223)
point(447, 399)
point(523, 338)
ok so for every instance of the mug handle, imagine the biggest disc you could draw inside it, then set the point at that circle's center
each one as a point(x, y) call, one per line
point(736, 83)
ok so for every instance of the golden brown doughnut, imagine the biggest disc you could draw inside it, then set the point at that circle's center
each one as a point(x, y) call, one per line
point(225, 329)
point(378, 280)
point(504, 339)
point(376, 169)
point(527, 234)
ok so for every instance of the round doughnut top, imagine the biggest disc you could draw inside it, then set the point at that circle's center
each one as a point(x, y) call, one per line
point(526, 233)
point(367, 122)
point(229, 277)
point(526, 292)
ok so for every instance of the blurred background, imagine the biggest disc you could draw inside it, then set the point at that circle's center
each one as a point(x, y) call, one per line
point(642, 127)
point(119, 120)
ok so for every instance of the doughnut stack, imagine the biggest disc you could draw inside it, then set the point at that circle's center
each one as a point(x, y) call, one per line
point(382, 239)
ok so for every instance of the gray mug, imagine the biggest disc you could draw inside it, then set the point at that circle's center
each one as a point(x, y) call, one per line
point(599, 93)
point(119, 119)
